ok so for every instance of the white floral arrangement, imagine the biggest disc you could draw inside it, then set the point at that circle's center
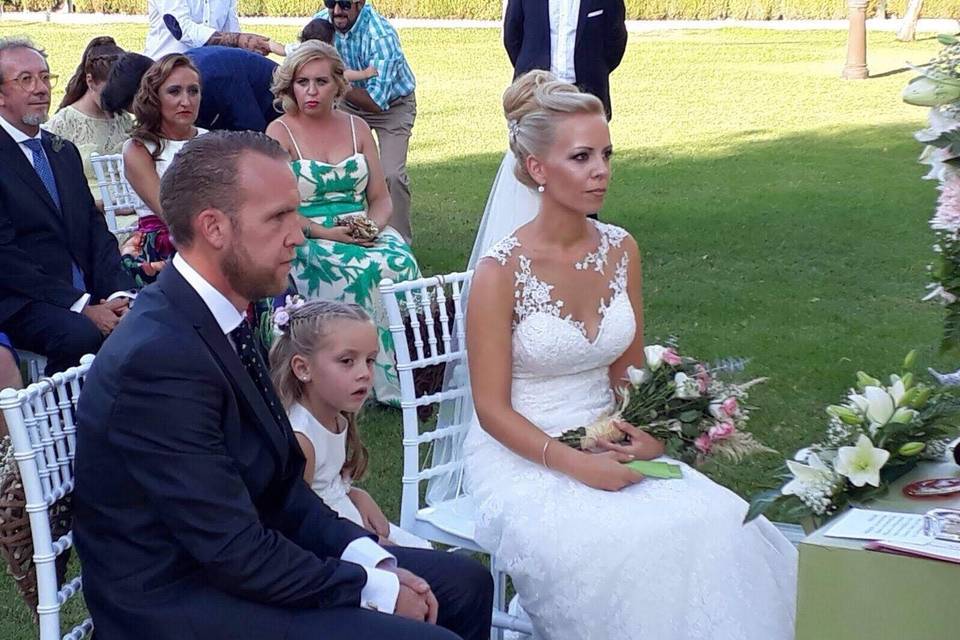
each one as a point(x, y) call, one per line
point(880, 432)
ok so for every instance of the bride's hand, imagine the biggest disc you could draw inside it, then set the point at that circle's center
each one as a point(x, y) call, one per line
point(606, 471)
point(639, 444)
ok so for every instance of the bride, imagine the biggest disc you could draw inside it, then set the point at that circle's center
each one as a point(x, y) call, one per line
point(555, 317)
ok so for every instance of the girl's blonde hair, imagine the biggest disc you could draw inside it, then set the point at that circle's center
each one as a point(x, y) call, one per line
point(282, 87)
point(533, 105)
point(302, 335)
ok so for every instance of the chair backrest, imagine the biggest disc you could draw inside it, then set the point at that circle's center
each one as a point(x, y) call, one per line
point(42, 429)
point(432, 309)
point(115, 191)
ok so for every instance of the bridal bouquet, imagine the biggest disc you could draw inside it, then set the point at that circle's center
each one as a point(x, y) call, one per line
point(878, 433)
point(684, 403)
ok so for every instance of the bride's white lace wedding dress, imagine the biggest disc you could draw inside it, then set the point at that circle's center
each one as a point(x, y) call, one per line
point(660, 560)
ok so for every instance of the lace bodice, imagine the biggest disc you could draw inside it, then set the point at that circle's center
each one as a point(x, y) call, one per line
point(555, 360)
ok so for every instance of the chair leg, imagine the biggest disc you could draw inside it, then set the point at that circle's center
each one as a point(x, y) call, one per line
point(499, 593)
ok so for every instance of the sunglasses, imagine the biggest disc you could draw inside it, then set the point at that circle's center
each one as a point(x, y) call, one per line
point(343, 4)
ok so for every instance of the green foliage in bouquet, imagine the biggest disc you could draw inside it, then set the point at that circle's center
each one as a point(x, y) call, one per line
point(685, 404)
point(879, 433)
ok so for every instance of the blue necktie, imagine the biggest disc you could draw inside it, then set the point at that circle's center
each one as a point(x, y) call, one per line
point(42, 166)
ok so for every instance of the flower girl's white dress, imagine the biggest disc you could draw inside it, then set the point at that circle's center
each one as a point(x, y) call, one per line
point(660, 560)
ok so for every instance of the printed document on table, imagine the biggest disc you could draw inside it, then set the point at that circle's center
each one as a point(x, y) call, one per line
point(864, 524)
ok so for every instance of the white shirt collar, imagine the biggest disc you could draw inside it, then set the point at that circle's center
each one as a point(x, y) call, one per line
point(18, 136)
point(226, 315)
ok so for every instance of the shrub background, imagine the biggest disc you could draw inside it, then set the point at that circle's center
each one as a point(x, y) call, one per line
point(490, 9)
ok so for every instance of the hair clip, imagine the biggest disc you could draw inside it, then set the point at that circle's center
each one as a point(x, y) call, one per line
point(513, 126)
point(281, 317)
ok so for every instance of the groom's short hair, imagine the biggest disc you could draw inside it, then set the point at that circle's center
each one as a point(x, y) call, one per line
point(204, 175)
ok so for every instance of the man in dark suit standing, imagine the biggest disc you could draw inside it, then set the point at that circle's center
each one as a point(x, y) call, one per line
point(192, 519)
point(579, 41)
point(61, 285)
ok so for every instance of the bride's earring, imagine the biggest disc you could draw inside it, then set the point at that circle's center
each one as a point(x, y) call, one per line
point(540, 188)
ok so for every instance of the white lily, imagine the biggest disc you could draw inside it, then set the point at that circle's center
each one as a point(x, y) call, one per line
point(687, 387)
point(653, 354)
point(637, 376)
point(861, 463)
point(880, 405)
point(860, 402)
point(897, 389)
point(806, 475)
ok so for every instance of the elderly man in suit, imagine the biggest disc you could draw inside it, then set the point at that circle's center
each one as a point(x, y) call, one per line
point(62, 288)
point(192, 519)
point(579, 41)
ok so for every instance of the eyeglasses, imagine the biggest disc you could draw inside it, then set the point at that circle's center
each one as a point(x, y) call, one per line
point(28, 81)
point(343, 4)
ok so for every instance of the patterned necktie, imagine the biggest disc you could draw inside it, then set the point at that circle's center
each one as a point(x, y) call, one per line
point(42, 166)
point(252, 361)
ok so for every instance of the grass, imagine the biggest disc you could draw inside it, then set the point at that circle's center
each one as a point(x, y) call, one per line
point(779, 209)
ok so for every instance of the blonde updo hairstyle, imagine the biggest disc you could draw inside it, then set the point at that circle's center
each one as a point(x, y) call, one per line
point(282, 87)
point(533, 106)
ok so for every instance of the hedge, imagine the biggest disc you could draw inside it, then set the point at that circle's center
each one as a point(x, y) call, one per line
point(490, 9)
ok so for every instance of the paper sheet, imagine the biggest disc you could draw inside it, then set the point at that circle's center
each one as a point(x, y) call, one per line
point(864, 524)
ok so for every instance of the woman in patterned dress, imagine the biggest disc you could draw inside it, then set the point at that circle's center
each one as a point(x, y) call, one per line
point(166, 108)
point(338, 169)
point(81, 118)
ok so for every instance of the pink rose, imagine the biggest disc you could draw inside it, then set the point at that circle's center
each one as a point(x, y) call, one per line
point(671, 358)
point(703, 443)
point(703, 378)
point(720, 431)
point(730, 406)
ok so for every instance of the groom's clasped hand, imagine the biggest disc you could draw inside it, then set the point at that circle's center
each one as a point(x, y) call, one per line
point(415, 600)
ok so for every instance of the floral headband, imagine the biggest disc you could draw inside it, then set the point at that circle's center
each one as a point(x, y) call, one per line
point(281, 316)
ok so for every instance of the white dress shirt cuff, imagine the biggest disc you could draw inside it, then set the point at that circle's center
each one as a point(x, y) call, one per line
point(122, 294)
point(381, 591)
point(367, 553)
point(79, 305)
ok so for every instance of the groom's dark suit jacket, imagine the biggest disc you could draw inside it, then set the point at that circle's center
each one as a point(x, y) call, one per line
point(38, 241)
point(600, 44)
point(192, 519)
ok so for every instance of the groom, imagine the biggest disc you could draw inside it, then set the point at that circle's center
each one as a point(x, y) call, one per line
point(192, 519)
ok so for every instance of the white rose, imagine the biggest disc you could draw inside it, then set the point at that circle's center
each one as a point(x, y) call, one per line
point(637, 376)
point(654, 356)
point(687, 387)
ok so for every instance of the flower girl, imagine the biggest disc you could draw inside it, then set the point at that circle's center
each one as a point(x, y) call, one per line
point(322, 367)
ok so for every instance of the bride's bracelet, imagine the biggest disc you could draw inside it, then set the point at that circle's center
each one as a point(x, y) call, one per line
point(543, 454)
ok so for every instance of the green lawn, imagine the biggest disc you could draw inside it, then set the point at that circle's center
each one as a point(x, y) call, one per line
point(779, 208)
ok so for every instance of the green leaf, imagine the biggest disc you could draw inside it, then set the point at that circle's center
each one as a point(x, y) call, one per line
point(761, 503)
point(690, 416)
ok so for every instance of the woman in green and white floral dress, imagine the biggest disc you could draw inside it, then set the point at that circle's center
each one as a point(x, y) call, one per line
point(338, 171)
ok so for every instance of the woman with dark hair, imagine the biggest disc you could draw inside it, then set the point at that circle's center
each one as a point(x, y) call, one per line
point(81, 117)
point(166, 107)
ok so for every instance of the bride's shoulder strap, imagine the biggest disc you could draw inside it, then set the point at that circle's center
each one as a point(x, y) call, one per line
point(502, 250)
point(613, 233)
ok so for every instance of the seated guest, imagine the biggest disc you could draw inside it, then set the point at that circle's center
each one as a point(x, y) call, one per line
point(342, 187)
point(62, 288)
point(166, 109)
point(9, 373)
point(81, 118)
point(236, 87)
point(192, 519)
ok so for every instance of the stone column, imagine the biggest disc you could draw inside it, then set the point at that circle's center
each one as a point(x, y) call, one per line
point(856, 67)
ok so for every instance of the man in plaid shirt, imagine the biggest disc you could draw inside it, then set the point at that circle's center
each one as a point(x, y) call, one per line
point(386, 101)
